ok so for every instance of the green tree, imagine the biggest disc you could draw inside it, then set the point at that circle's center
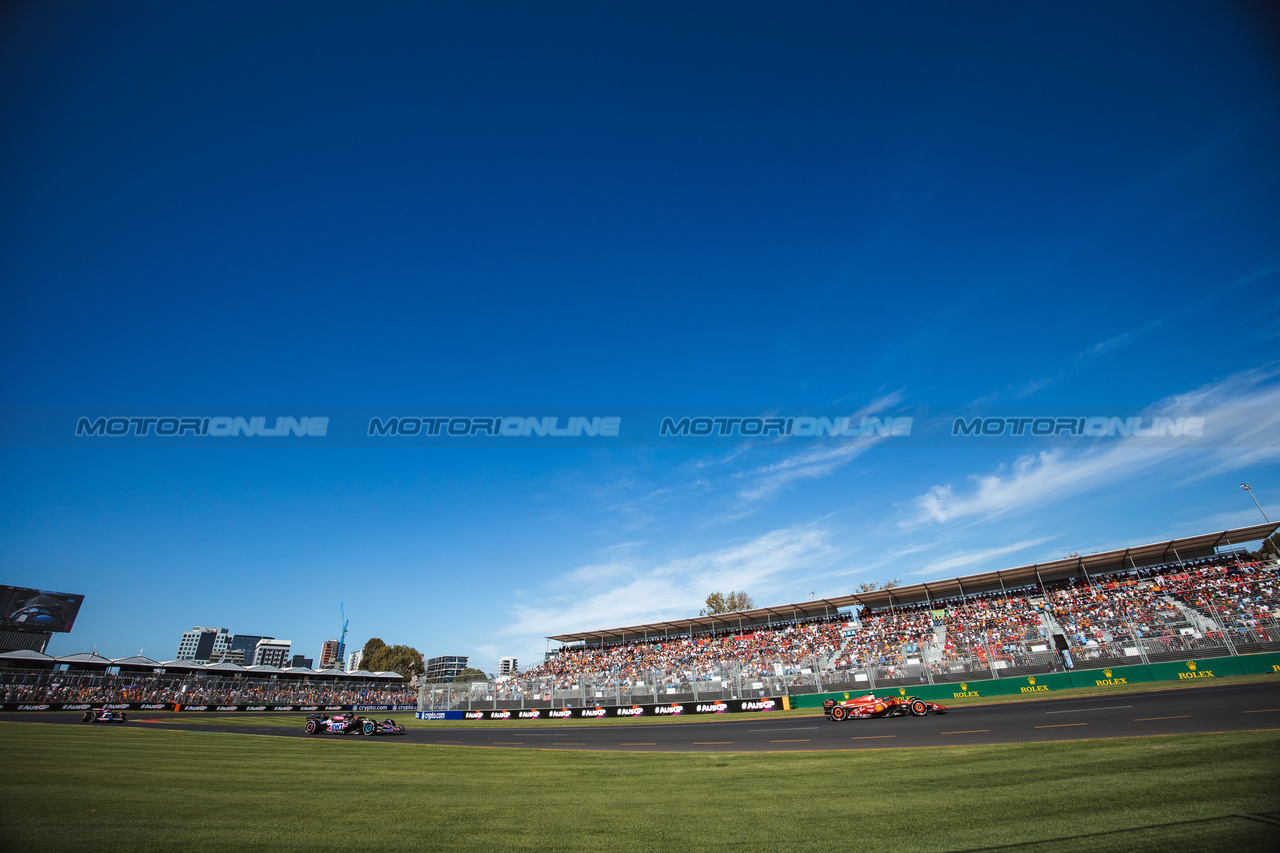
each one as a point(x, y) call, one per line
point(468, 675)
point(718, 602)
point(405, 660)
point(371, 648)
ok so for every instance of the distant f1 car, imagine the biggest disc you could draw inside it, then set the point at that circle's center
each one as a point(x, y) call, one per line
point(863, 707)
point(350, 724)
point(104, 715)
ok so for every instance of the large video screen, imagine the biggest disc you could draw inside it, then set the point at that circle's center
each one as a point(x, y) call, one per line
point(38, 609)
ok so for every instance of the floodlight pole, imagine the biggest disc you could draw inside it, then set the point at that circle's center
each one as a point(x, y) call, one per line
point(1245, 486)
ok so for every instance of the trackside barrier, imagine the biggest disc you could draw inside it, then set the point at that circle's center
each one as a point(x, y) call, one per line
point(1179, 671)
point(171, 706)
point(606, 712)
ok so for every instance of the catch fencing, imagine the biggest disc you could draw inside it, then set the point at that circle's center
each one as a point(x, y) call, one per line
point(715, 683)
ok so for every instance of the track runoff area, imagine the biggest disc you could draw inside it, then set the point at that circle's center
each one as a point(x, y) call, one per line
point(1201, 710)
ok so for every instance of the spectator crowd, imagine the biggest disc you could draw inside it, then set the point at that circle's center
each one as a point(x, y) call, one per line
point(82, 686)
point(759, 652)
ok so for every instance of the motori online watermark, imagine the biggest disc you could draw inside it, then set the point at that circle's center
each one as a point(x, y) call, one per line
point(504, 427)
point(1085, 426)
point(802, 426)
point(217, 427)
point(291, 424)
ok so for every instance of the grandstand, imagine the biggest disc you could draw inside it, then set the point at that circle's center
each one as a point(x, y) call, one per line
point(31, 677)
point(1194, 597)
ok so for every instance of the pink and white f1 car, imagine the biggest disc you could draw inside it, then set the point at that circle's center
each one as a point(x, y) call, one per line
point(863, 707)
point(104, 715)
point(350, 724)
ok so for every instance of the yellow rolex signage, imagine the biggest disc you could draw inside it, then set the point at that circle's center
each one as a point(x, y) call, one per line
point(1107, 681)
point(1191, 665)
point(965, 692)
point(1032, 687)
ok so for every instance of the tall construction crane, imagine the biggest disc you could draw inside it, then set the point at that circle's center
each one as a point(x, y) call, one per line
point(342, 639)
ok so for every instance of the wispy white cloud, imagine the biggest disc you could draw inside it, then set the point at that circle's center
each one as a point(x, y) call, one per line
point(485, 652)
point(734, 483)
point(1257, 275)
point(1073, 364)
point(633, 591)
point(1082, 358)
point(1242, 427)
point(1030, 480)
point(808, 465)
point(969, 558)
point(815, 462)
point(1245, 516)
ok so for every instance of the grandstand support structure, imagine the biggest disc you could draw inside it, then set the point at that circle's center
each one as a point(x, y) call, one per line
point(15, 640)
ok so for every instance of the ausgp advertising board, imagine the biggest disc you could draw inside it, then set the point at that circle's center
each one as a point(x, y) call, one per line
point(606, 712)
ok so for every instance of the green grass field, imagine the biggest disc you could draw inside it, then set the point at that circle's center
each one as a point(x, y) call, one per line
point(110, 789)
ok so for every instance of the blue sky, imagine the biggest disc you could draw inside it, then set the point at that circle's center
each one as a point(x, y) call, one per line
point(1043, 207)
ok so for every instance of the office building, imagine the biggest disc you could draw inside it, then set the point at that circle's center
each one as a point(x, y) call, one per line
point(245, 644)
point(272, 653)
point(329, 655)
point(507, 666)
point(444, 669)
point(203, 644)
point(235, 656)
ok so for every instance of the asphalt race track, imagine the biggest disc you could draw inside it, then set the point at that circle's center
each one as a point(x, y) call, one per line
point(1201, 710)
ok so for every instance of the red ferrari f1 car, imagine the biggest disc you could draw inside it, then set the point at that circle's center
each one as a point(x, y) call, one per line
point(350, 724)
point(863, 707)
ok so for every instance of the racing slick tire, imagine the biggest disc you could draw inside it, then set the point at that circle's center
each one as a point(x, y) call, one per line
point(919, 707)
point(312, 727)
point(839, 712)
point(368, 727)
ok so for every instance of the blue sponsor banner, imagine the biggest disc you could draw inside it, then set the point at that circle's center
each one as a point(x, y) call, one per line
point(440, 715)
